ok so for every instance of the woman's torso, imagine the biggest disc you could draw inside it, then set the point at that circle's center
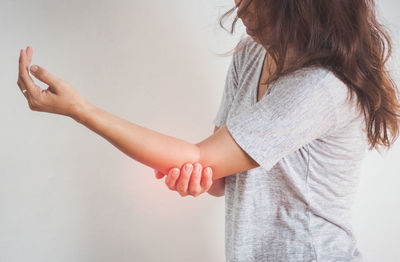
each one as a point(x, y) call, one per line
point(300, 209)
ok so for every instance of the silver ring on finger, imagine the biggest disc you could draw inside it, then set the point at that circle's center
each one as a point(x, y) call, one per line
point(24, 91)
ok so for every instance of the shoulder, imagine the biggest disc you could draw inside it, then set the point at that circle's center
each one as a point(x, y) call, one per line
point(326, 81)
point(320, 84)
point(310, 89)
point(314, 80)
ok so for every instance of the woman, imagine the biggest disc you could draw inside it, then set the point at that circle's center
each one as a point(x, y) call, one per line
point(288, 150)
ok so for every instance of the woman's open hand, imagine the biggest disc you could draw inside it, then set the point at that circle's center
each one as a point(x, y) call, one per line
point(190, 180)
point(59, 98)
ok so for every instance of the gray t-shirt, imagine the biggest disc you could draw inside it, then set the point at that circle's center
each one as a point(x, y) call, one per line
point(309, 142)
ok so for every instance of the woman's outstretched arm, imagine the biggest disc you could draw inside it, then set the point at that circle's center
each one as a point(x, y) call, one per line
point(149, 147)
point(162, 152)
point(158, 151)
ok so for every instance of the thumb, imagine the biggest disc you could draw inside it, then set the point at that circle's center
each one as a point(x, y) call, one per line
point(45, 76)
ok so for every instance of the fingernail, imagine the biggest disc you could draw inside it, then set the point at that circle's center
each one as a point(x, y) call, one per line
point(208, 170)
point(34, 68)
point(188, 167)
point(198, 166)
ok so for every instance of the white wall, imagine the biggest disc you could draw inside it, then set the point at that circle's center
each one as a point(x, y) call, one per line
point(66, 194)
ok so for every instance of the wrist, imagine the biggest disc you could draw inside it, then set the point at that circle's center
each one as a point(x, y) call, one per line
point(81, 111)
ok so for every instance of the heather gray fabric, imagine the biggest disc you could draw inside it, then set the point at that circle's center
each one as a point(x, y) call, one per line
point(309, 142)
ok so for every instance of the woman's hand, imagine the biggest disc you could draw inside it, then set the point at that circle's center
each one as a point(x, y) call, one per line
point(188, 181)
point(59, 98)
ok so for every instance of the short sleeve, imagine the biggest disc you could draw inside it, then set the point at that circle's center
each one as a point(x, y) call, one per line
point(228, 95)
point(293, 114)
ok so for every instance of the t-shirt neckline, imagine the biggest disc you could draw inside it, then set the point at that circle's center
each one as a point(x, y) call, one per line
point(259, 73)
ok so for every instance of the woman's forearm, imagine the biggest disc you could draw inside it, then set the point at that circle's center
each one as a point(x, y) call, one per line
point(147, 146)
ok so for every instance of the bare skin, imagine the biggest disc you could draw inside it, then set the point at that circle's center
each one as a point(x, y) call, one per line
point(62, 98)
point(193, 181)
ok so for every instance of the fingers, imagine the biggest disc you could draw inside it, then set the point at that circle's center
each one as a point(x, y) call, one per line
point(158, 174)
point(22, 87)
point(194, 187)
point(25, 82)
point(28, 59)
point(183, 181)
point(172, 177)
point(206, 179)
point(23, 71)
point(46, 77)
point(20, 81)
point(189, 180)
point(29, 53)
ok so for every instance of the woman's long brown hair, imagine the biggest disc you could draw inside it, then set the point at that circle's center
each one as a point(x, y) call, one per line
point(342, 36)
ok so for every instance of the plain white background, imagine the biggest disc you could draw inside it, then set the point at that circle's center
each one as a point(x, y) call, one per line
point(66, 194)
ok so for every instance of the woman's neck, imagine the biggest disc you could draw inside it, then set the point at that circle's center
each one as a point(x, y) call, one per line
point(270, 66)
